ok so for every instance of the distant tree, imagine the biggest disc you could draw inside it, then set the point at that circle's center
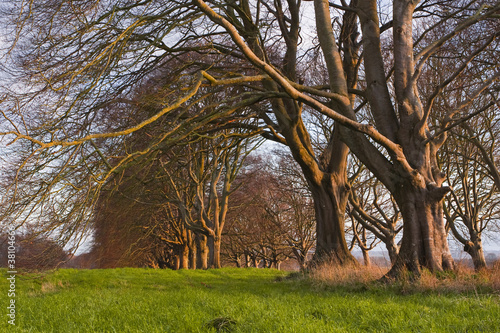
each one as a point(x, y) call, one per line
point(273, 214)
point(372, 208)
point(469, 155)
point(34, 251)
point(120, 235)
point(202, 185)
point(469, 159)
point(297, 217)
point(164, 183)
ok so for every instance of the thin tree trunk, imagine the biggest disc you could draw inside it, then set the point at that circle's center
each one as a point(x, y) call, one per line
point(237, 260)
point(216, 252)
point(474, 246)
point(192, 251)
point(203, 253)
point(247, 260)
point(184, 256)
point(392, 249)
point(364, 249)
point(255, 262)
point(211, 247)
point(366, 258)
point(192, 257)
point(475, 250)
point(177, 261)
point(302, 263)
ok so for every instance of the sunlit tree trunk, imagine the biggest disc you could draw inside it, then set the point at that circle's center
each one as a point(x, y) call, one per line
point(177, 262)
point(216, 263)
point(184, 257)
point(203, 251)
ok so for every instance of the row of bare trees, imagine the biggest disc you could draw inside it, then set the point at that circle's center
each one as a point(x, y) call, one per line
point(31, 251)
point(272, 216)
point(204, 201)
point(104, 94)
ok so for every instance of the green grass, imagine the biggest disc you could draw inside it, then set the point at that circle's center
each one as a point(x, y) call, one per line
point(238, 300)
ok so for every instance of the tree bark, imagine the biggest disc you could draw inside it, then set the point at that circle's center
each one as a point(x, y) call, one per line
point(475, 250)
point(216, 252)
point(192, 250)
point(177, 262)
point(330, 203)
point(184, 257)
point(366, 258)
point(203, 254)
point(392, 249)
point(424, 243)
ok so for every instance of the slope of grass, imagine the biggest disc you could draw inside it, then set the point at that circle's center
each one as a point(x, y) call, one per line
point(232, 300)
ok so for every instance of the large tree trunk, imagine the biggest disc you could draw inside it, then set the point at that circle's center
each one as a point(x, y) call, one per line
point(330, 196)
point(424, 243)
point(330, 204)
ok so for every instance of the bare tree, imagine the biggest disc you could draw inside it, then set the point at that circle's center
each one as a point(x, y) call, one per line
point(297, 220)
point(373, 208)
point(472, 206)
point(33, 251)
point(409, 170)
point(272, 216)
point(202, 192)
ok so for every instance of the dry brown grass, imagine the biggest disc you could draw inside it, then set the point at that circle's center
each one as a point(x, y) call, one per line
point(330, 274)
point(49, 287)
point(461, 280)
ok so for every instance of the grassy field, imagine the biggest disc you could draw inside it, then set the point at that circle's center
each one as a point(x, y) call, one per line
point(233, 300)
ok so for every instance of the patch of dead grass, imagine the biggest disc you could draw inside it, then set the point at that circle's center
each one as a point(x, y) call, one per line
point(460, 280)
point(49, 287)
point(330, 274)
